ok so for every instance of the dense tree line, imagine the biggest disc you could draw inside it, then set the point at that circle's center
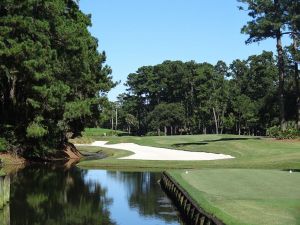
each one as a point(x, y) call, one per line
point(248, 96)
point(52, 78)
point(187, 97)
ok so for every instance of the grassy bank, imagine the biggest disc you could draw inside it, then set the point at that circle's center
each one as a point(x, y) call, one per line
point(112, 161)
point(240, 197)
point(250, 152)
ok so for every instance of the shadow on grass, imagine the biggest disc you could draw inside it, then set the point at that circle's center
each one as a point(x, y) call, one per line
point(292, 170)
point(205, 142)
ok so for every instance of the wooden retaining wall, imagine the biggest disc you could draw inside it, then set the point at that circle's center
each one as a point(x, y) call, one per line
point(190, 210)
point(5, 215)
point(4, 191)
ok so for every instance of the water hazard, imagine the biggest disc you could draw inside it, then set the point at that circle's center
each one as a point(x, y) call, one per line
point(48, 196)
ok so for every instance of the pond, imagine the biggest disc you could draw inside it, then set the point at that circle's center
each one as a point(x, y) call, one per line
point(56, 196)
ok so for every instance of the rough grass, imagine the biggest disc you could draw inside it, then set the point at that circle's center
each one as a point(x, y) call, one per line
point(241, 196)
point(250, 152)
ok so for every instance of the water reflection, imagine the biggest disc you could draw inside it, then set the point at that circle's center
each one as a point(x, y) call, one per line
point(53, 196)
point(145, 195)
point(46, 196)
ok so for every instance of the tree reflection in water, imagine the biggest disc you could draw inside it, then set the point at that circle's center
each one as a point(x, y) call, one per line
point(45, 195)
point(145, 195)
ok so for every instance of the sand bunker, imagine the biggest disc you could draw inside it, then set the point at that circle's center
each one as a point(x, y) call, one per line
point(153, 153)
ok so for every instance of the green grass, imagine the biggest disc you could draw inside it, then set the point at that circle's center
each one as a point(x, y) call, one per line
point(250, 152)
point(112, 161)
point(242, 196)
point(91, 134)
point(99, 132)
point(238, 191)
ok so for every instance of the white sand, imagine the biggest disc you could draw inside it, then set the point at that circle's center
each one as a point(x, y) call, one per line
point(152, 153)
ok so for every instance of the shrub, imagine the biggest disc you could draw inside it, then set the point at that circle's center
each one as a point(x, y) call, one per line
point(290, 133)
point(273, 131)
point(3, 144)
point(152, 133)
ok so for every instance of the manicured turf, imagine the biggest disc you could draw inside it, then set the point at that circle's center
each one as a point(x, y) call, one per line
point(241, 196)
point(92, 134)
point(112, 161)
point(250, 152)
point(96, 132)
point(244, 195)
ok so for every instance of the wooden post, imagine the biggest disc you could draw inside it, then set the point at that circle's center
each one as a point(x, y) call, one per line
point(6, 189)
point(1, 192)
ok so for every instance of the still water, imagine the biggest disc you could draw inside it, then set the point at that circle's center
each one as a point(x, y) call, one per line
point(57, 196)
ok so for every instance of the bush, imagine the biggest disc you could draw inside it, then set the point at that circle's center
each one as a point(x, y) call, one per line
point(273, 131)
point(153, 133)
point(290, 132)
point(3, 145)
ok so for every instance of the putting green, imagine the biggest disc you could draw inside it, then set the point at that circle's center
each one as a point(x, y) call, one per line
point(242, 196)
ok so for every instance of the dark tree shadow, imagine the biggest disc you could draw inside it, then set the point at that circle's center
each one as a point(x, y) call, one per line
point(191, 143)
point(205, 142)
point(292, 170)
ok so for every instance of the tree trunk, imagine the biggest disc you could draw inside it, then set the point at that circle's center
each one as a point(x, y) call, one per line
point(129, 130)
point(297, 91)
point(12, 92)
point(216, 121)
point(116, 119)
point(221, 120)
point(158, 131)
point(166, 131)
point(171, 130)
point(281, 74)
point(298, 96)
point(239, 124)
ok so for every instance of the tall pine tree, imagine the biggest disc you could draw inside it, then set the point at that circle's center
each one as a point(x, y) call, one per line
point(52, 77)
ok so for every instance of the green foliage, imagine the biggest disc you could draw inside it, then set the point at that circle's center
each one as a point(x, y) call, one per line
point(166, 115)
point(151, 133)
point(204, 98)
point(35, 130)
point(3, 144)
point(274, 19)
point(289, 133)
point(49, 68)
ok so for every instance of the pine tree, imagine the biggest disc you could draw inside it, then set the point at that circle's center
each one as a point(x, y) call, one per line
point(269, 20)
point(51, 74)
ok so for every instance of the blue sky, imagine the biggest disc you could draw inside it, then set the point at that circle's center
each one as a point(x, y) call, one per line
point(135, 33)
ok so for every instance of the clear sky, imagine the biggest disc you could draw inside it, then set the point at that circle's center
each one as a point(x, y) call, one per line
point(137, 33)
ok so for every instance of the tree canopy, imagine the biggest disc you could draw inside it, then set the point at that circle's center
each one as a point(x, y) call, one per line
point(189, 97)
point(52, 78)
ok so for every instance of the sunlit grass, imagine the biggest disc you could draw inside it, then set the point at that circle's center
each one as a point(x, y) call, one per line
point(241, 196)
point(250, 152)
